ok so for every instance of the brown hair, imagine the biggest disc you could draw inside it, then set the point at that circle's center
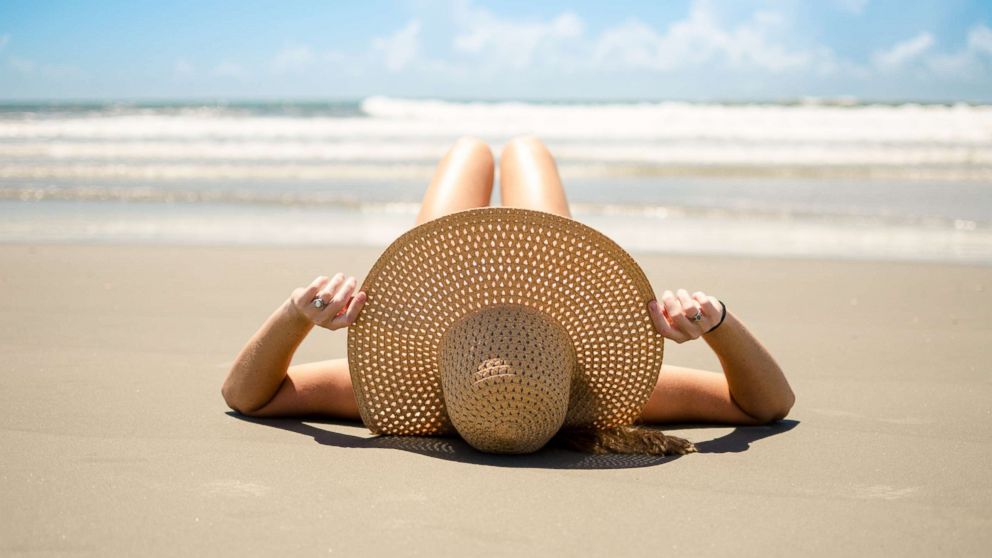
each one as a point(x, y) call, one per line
point(623, 439)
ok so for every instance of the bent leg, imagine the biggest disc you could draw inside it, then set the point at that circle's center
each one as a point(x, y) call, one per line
point(528, 178)
point(463, 180)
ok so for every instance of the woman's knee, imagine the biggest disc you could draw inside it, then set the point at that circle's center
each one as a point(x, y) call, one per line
point(475, 149)
point(528, 143)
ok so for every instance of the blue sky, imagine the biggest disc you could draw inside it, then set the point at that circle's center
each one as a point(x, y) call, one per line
point(694, 49)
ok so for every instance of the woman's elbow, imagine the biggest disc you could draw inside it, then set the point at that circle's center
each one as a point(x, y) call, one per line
point(779, 410)
point(234, 401)
point(227, 393)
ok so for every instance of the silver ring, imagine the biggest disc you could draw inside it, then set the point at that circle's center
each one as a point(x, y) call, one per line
point(698, 316)
point(318, 303)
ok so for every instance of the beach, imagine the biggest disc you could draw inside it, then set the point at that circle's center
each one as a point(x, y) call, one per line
point(170, 173)
point(117, 441)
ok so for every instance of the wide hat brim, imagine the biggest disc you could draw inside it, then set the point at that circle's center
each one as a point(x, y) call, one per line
point(441, 270)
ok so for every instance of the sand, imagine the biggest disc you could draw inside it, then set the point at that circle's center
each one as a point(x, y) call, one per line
point(115, 439)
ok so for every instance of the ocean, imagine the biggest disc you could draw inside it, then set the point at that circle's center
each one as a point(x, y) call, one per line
point(808, 179)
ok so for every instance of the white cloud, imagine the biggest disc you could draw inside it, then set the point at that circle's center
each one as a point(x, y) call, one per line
point(903, 52)
point(336, 57)
point(293, 59)
point(488, 42)
point(229, 70)
point(700, 39)
point(22, 65)
point(503, 42)
point(852, 6)
point(401, 48)
point(969, 63)
point(27, 67)
point(182, 68)
point(703, 53)
point(980, 39)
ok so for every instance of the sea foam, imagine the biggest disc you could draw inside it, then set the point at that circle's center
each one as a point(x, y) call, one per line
point(601, 139)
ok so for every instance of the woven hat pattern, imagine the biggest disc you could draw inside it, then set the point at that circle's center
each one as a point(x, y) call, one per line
point(506, 372)
point(443, 269)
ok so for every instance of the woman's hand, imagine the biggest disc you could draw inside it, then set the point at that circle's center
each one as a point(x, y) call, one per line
point(681, 317)
point(260, 369)
point(755, 384)
point(339, 308)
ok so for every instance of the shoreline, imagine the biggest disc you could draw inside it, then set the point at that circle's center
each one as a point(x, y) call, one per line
point(653, 230)
point(377, 249)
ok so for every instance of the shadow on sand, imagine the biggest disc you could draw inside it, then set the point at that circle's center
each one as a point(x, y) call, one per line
point(550, 457)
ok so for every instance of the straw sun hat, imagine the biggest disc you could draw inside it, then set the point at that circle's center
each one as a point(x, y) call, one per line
point(503, 325)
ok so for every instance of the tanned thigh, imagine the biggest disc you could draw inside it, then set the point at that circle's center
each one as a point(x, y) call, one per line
point(528, 178)
point(463, 180)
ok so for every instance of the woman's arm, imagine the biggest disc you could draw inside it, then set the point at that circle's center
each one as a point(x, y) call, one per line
point(752, 387)
point(756, 381)
point(261, 367)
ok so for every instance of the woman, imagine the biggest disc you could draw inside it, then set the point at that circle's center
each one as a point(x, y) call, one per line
point(751, 390)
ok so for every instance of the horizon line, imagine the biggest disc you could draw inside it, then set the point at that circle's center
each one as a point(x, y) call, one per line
point(838, 100)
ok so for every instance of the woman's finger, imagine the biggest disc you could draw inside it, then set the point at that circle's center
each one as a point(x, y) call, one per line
point(303, 296)
point(344, 291)
point(712, 310)
point(672, 304)
point(690, 308)
point(319, 282)
point(676, 316)
point(307, 293)
point(326, 293)
point(349, 316)
point(338, 301)
point(661, 323)
point(707, 304)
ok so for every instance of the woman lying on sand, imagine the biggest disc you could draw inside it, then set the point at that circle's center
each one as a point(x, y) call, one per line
point(530, 356)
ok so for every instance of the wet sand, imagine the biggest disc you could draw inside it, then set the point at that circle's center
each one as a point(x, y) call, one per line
point(115, 439)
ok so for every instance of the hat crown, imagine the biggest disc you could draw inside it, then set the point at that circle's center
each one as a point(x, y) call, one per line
point(506, 372)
